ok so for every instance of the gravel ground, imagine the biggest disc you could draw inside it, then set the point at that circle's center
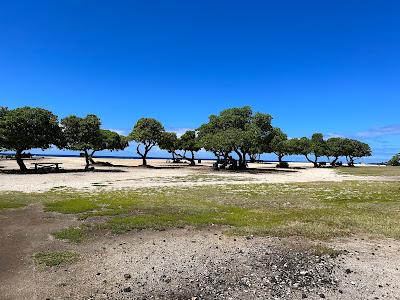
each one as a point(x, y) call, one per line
point(190, 264)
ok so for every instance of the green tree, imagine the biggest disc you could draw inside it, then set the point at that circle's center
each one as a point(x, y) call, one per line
point(108, 140)
point(82, 134)
point(394, 161)
point(316, 146)
point(354, 149)
point(236, 130)
point(335, 149)
point(3, 111)
point(188, 142)
point(279, 144)
point(147, 133)
point(169, 142)
point(25, 128)
point(299, 146)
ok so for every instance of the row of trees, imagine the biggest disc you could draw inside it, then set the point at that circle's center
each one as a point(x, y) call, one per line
point(235, 132)
point(317, 147)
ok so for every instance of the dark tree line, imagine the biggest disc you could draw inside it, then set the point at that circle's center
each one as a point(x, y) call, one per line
point(234, 136)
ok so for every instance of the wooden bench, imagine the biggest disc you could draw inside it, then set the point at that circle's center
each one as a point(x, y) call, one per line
point(47, 166)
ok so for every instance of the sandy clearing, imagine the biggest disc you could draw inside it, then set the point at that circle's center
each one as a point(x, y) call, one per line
point(127, 175)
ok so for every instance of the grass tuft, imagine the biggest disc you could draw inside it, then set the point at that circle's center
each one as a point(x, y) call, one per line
point(71, 234)
point(55, 258)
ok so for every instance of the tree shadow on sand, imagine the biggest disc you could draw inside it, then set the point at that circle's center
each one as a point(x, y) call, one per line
point(63, 171)
point(261, 171)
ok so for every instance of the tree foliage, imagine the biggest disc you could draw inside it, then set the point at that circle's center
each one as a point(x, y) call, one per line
point(236, 130)
point(25, 128)
point(109, 140)
point(169, 142)
point(82, 134)
point(147, 133)
point(279, 144)
point(189, 142)
point(394, 161)
point(354, 149)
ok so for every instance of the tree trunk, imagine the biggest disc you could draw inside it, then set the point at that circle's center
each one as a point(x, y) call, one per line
point(143, 156)
point(20, 161)
point(244, 163)
point(333, 163)
point(314, 162)
point(91, 158)
point(241, 161)
point(87, 159)
point(280, 156)
point(192, 162)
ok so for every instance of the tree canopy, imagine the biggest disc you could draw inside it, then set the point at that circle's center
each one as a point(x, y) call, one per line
point(82, 134)
point(394, 161)
point(109, 140)
point(236, 130)
point(234, 135)
point(26, 128)
point(147, 132)
point(169, 142)
point(354, 149)
point(189, 142)
point(279, 144)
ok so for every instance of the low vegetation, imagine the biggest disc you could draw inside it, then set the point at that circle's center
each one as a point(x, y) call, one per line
point(313, 210)
point(370, 171)
point(14, 200)
point(55, 258)
point(319, 210)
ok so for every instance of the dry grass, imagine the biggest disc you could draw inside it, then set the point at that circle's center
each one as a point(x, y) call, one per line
point(319, 210)
point(370, 171)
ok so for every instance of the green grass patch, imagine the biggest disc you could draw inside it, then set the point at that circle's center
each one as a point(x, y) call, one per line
point(370, 171)
point(71, 206)
point(14, 200)
point(55, 258)
point(319, 210)
point(71, 234)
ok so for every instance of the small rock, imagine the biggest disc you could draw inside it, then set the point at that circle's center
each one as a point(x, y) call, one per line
point(127, 276)
point(127, 289)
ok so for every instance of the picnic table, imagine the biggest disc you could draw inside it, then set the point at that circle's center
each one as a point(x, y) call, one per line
point(47, 166)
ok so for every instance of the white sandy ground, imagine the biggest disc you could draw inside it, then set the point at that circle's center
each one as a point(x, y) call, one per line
point(126, 174)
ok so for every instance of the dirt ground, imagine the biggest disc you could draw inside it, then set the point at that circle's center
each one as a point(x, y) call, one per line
point(126, 174)
point(189, 264)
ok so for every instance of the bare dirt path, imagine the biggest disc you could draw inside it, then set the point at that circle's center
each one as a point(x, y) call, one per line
point(23, 232)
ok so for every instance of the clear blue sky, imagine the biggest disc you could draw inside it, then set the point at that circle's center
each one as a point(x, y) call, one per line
point(327, 66)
